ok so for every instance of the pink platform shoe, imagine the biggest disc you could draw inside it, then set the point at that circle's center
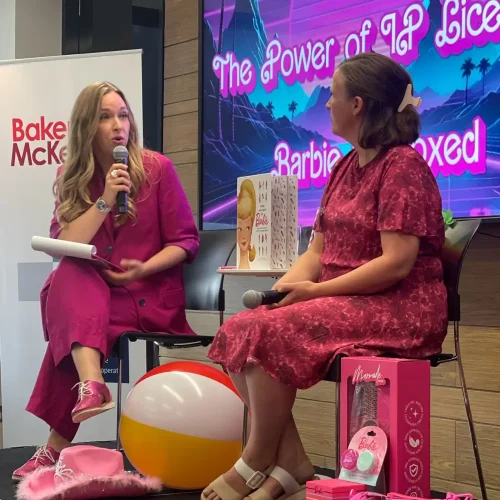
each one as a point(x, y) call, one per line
point(93, 398)
point(45, 456)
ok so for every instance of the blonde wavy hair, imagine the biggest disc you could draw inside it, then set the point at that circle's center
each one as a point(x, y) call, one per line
point(247, 207)
point(71, 188)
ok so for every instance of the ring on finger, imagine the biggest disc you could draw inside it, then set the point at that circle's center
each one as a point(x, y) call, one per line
point(114, 174)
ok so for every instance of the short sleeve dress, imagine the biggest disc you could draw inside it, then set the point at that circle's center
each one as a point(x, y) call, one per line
point(296, 344)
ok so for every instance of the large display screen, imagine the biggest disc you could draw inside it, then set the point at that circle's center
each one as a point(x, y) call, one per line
point(266, 74)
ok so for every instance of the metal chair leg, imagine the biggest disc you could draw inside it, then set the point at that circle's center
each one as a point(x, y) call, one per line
point(244, 437)
point(156, 355)
point(337, 429)
point(468, 410)
point(119, 396)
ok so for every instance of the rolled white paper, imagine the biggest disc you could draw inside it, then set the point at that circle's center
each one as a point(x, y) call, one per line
point(60, 248)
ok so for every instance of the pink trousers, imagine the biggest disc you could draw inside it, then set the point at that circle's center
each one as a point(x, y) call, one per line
point(78, 307)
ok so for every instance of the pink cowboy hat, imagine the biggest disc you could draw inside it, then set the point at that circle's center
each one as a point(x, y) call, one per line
point(86, 472)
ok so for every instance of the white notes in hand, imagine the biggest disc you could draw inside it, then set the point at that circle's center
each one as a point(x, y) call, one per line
point(61, 248)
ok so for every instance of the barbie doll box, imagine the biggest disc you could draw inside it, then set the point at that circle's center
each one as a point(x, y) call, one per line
point(261, 222)
point(393, 395)
point(292, 202)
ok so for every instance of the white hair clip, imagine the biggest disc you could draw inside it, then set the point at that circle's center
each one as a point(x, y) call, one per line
point(409, 99)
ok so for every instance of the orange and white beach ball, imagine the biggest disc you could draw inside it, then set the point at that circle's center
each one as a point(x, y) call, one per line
point(182, 422)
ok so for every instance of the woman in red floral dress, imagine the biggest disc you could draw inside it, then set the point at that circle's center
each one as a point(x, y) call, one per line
point(371, 281)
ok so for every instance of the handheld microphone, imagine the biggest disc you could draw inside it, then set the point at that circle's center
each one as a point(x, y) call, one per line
point(120, 154)
point(253, 299)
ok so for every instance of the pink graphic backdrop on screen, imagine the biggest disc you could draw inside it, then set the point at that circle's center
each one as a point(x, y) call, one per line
point(267, 68)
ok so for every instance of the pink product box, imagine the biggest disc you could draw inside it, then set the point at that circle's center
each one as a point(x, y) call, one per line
point(261, 222)
point(292, 245)
point(331, 489)
point(393, 394)
point(278, 222)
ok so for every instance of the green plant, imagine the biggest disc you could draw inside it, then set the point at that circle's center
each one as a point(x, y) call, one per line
point(449, 221)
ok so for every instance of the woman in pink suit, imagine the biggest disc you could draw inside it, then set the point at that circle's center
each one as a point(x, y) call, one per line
point(84, 308)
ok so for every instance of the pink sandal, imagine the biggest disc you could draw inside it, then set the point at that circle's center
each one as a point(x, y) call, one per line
point(94, 398)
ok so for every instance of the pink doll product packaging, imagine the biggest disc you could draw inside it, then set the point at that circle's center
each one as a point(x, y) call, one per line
point(292, 202)
point(266, 217)
point(393, 395)
point(362, 462)
point(332, 489)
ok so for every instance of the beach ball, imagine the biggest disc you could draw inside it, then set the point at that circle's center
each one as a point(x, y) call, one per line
point(182, 422)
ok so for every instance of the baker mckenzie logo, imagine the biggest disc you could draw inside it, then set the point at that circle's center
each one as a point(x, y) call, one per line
point(38, 143)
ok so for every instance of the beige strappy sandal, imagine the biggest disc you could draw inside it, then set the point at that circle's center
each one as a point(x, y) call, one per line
point(292, 489)
point(254, 480)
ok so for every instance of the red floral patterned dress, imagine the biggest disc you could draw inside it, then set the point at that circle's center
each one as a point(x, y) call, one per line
point(296, 344)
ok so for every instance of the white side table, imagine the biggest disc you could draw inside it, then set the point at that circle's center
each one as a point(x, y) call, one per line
point(257, 273)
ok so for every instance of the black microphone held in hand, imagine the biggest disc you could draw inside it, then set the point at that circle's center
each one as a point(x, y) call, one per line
point(120, 154)
point(253, 299)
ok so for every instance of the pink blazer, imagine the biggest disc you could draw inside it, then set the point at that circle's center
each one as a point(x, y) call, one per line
point(163, 218)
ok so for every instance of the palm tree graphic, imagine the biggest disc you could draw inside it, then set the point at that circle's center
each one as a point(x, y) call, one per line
point(483, 67)
point(467, 67)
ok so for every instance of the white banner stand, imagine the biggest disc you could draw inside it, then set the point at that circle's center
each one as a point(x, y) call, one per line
point(41, 92)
